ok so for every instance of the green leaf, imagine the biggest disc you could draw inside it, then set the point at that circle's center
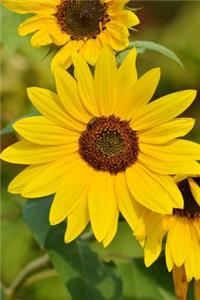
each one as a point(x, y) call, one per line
point(85, 276)
point(35, 215)
point(140, 283)
point(142, 46)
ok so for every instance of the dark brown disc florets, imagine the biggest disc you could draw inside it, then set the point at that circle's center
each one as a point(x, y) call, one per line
point(109, 144)
point(191, 208)
point(82, 19)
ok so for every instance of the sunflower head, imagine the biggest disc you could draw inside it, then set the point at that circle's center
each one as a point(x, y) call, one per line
point(102, 147)
point(109, 144)
point(82, 19)
point(84, 26)
point(182, 232)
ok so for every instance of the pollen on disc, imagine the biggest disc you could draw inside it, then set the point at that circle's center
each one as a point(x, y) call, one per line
point(109, 144)
point(82, 19)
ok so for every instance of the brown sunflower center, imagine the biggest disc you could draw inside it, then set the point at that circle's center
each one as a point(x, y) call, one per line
point(109, 144)
point(82, 19)
point(191, 208)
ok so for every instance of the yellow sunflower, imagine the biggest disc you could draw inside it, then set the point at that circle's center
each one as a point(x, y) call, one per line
point(77, 25)
point(182, 231)
point(102, 148)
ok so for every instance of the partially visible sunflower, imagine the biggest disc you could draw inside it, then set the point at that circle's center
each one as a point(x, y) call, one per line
point(102, 148)
point(182, 231)
point(80, 25)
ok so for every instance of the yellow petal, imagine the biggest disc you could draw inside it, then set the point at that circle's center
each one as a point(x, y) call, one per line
point(41, 131)
point(68, 94)
point(47, 182)
point(178, 150)
point(34, 23)
point(77, 221)
point(156, 192)
point(58, 37)
point(196, 252)
point(145, 223)
point(115, 6)
point(190, 263)
point(180, 283)
point(177, 178)
point(102, 204)
point(166, 132)
point(168, 257)
point(119, 31)
point(103, 38)
point(71, 192)
point(63, 56)
point(17, 185)
point(32, 6)
point(195, 190)
point(49, 34)
point(85, 84)
point(163, 110)
point(126, 18)
point(196, 224)
point(41, 38)
point(127, 73)
point(24, 152)
point(50, 106)
point(91, 50)
point(112, 230)
point(173, 167)
point(153, 243)
point(117, 44)
point(129, 208)
point(179, 247)
point(140, 93)
point(105, 82)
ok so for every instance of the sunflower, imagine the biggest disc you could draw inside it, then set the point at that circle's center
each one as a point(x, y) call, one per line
point(101, 148)
point(77, 25)
point(182, 231)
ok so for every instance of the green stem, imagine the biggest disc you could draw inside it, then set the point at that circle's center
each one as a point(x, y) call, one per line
point(47, 273)
point(26, 272)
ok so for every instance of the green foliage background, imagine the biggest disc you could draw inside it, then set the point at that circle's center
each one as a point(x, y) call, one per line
point(86, 269)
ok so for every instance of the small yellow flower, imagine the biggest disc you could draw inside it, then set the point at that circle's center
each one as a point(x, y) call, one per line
point(102, 148)
point(182, 231)
point(80, 25)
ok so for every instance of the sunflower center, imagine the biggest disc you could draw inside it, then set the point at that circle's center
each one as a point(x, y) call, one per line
point(82, 19)
point(109, 144)
point(191, 208)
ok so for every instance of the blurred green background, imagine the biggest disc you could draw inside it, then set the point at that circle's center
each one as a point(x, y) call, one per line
point(174, 24)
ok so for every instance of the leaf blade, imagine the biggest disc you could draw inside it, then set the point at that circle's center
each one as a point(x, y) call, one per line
point(142, 46)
